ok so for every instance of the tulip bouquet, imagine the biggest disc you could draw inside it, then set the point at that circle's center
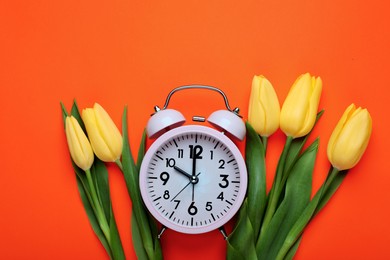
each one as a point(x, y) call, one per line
point(93, 140)
point(270, 226)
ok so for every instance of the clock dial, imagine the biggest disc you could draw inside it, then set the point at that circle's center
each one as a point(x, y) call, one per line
point(193, 179)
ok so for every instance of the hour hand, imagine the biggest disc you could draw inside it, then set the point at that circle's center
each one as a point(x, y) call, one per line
point(182, 172)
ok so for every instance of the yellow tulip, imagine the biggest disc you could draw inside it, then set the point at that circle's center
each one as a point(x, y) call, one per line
point(299, 110)
point(264, 108)
point(105, 137)
point(79, 146)
point(350, 138)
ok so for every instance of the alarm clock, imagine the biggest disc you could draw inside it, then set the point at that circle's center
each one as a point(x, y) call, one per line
point(193, 178)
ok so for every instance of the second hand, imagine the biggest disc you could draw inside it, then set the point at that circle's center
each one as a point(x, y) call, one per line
point(184, 188)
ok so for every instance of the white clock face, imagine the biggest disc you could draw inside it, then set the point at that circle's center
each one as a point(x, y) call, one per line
point(193, 179)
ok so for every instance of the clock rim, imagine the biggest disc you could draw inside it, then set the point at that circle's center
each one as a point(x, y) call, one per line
point(179, 131)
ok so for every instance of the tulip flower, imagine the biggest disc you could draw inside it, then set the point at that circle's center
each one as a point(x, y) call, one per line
point(105, 137)
point(264, 108)
point(79, 146)
point(299, 110)
point(349, 138)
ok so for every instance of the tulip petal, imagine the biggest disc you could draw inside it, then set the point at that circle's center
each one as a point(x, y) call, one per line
point(256, 115)
point(352, 141)
point(270, 104)
point(98, 144)
point(337, 130)
point(108, 131)
point(316, 89)
point(299, 110)
point(350, 138)
point(79, 146)
point(264, 108)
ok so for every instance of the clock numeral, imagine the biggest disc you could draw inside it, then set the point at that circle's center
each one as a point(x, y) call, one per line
point(180, 153)
point(164, 176)
point(221, 164)
point(220, 196)
point(170, 162)
point(192, 210)
point(166, 194)
point(211, 155)
point(224, 182)
point(177, 203)
point(209, 207)
point(195, 151)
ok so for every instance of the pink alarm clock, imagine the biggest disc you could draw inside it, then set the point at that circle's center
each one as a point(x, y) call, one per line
point(193, 178)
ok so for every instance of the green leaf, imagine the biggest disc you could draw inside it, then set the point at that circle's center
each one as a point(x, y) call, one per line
point(64, 112)
point(130, 173)
point(129, 168)
point(297, 229)
point(116, 244)
point(100, 178)
point(256, 192)
point(152, 222)
point(141, 150)
point(85, 198)
point(157, 249)
point(291, 253)
point(274, 196)
point(241, 242)
point(330, 190)
point(297, 196)
point(232, 253)
point(76, 113)
point(137, 239)
point(297, 145)
point(287, 160)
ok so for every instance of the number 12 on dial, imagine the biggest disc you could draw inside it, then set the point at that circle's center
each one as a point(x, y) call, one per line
point(193, 179)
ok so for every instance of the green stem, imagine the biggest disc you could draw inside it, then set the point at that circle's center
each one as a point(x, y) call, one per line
point(98, 208)
point(119, 163)
point(330, 178)
point(265, 142)
point(276, 189)
point(306, 216)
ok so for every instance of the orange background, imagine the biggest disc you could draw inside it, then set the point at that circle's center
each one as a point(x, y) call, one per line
point(134, 52)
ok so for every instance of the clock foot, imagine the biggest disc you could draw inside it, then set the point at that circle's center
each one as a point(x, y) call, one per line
point(161, 232)
point(223, 232)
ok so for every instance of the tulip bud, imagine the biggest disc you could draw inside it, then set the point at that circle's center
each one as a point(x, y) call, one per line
point(299, 110)
point(264, 108)
point(79, 146)
point(349, 138)
point(106, 140)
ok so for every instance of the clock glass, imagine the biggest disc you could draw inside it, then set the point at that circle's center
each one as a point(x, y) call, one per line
point(193, 179)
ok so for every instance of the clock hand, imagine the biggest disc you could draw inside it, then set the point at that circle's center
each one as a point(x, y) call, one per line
point(193, 178)
point(194, 181)
point(182, 172)
point(194, 164)
point(193, 192)
point(181, 191)
point(191, 181)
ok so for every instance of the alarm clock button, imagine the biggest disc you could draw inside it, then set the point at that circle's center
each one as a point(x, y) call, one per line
point(229, 122)
point(163, 119)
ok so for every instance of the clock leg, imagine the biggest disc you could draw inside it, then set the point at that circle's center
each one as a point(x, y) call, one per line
point(163, 228)
point(223, 232)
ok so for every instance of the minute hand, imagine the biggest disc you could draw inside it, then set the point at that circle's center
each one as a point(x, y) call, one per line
point(194, 165)
point(193, 177)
